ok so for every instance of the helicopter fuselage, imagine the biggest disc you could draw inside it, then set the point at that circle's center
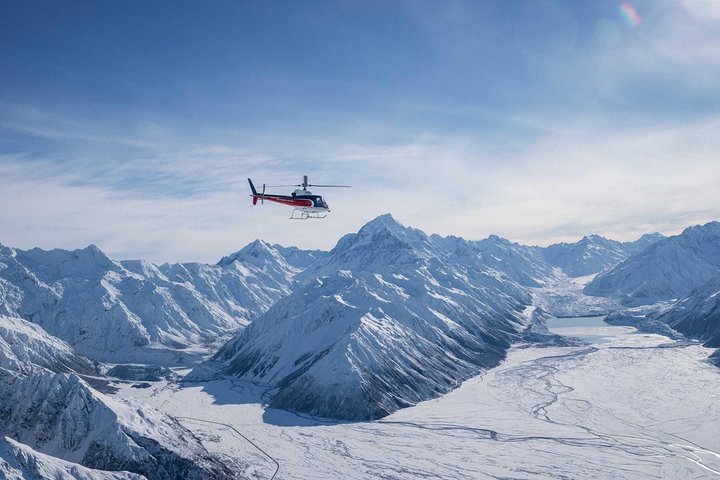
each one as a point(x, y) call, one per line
point(305, 202)
point(302, 200)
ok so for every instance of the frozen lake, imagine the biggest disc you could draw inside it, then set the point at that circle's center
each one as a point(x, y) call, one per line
point(626, 405)
point(594, 331)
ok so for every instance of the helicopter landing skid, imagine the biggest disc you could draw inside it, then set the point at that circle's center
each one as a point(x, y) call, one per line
point(305, 215)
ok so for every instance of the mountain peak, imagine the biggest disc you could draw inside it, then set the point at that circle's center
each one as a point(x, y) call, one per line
point(258, 249)
point(383, 239)
point(384, 221)
point(710, 228)
point(594, 238)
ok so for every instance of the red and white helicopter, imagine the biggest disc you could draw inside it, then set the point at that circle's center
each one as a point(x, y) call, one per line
point(304, 201)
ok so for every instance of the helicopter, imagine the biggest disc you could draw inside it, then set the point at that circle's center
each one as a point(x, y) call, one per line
point(305, 203)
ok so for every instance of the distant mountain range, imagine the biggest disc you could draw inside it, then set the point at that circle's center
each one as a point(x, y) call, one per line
point(392, 316)
point(667, 269)
point(134, 311)
point(593, 254)
point(172, 314)
point(387, 318)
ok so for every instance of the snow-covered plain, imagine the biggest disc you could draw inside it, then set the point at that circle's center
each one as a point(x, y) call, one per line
point(631, 406)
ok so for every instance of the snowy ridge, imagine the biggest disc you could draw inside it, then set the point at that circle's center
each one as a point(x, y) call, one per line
point(60, 415)
point(136, 311)
point(697, 315)
point(643, 242)
point(20, 462)
point(525, 265)
point(591, 254)
point(390, 319)
point(667, 269)
point(24, 345)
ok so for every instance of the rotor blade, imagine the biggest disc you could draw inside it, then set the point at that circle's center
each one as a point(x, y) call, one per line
point(280, 186)
point(331, 186)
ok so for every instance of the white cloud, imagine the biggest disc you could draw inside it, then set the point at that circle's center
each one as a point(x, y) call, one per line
point(163, 190)
point(620, 183)
point(703, 9)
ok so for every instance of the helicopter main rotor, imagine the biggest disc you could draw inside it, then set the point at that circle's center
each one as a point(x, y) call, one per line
point(305, 185)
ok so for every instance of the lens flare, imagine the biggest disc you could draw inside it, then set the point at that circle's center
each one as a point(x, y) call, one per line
point(629, 14)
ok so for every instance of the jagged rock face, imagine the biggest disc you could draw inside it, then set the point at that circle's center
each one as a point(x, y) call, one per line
point(697, 315)
point(666, 269)
point(134, 311)
point(60, 415)
point(20, 462)
point(24, 345)
point(389, 319)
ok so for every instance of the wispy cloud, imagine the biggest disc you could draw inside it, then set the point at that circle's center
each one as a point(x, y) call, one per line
point(613, 133)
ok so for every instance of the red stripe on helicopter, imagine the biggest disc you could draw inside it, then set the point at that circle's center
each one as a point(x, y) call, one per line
point(293, 202)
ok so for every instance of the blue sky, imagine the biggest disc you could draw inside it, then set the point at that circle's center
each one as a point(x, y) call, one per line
point(133, 125)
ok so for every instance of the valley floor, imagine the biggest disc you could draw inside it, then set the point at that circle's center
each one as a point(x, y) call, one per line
point(628, 405)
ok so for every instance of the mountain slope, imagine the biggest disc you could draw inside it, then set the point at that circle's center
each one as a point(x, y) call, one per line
point(20, 462)
point(525, 265)
point(136, 311)
point(591, 254)
point(389, 319)
point(642, 243)
point(667, 269)
point(61, 416)
point(24, 345)
point(697, 315)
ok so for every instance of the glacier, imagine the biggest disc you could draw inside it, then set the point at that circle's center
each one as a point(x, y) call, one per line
point(315, 363)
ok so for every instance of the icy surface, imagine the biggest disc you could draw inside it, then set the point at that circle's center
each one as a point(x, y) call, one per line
point(564, 297)
point(634, 406)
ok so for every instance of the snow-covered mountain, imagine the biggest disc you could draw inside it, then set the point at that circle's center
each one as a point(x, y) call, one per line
point(591, 254)
point(667, 269)
point(642, 243)
point(20, 462)
point(697, 315)
point(59, 418)
point(594, 253)
point(523, 264)
point(388, 319)
point(136, 311)
point(24, 345)
point(283, 260)
point(58, 414)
